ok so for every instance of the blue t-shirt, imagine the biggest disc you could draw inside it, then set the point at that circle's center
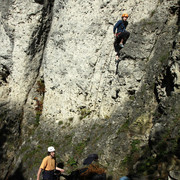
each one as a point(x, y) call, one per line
point(120, 26)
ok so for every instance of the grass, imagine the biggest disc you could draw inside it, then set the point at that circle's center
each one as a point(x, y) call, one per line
point(33, 153)
point(79, 148)
point(38, 114)
point(134, 146)
point(124, 127)
point(71, 161)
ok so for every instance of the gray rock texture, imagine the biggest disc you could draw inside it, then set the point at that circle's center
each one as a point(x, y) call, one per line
point(60, 86)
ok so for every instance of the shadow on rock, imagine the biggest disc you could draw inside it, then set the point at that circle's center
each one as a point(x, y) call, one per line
point(39, 1)
point(18, 174)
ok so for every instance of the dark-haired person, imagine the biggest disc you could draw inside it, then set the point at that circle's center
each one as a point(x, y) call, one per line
point(48, 166)
point(93, 170)
point(120, 33)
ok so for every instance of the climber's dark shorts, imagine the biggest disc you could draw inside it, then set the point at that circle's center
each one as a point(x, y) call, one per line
point(119, 36)
point(48, 175)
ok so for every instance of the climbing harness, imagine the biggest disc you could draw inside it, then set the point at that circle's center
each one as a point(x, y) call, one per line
point(117, 34)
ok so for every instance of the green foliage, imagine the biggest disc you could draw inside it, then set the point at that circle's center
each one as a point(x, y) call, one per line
point(72, 165)
point(84, 113)
point(134, 145)
point(166, 147)
point(106, 117)
point(152, 13)
point(71, 161)
point(132, 97)
point(60, 122)
point(32, 153)
point(68, 137)
point(132, 156)
point(67, 140)
point(53, 143)
point(67, 124)
point(148, 166)
point(176, 120)
point(126, 160)
point(24, 148)
point(38, 114)
point(79, 148)
point(71, 118)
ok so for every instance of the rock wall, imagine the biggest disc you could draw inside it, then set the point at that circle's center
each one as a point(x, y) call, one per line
point(60, 84)
point(80, 52)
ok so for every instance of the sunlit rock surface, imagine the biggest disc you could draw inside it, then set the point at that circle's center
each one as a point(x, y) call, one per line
point(60, 85)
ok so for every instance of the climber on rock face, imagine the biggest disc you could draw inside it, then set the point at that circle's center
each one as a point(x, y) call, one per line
point(121, 35)
point(48, 166)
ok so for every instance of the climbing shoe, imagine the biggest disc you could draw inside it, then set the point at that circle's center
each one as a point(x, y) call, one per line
point(121, 45)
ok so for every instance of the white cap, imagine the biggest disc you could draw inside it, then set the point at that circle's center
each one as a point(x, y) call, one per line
point(51, 149)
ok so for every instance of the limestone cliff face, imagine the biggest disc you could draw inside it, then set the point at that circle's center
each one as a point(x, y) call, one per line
point(60, 85)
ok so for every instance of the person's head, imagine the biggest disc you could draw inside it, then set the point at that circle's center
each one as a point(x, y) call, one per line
point(125, 17)
point(51, 151)
point(124, 178)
